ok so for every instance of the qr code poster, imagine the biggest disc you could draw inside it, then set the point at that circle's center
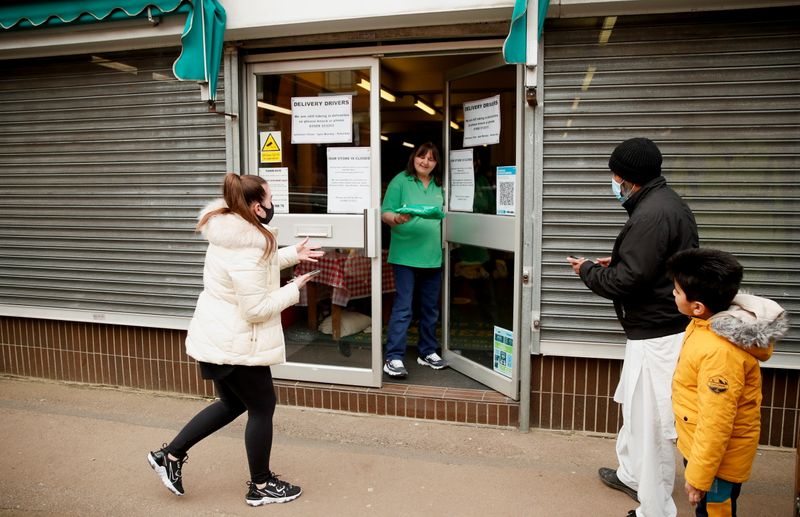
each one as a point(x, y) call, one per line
point(503, 351)
point(506, 190)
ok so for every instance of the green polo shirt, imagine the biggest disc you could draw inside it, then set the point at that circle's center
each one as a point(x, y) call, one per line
point(417, 243)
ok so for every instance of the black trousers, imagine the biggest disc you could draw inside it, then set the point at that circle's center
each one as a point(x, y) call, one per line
point(246, 388)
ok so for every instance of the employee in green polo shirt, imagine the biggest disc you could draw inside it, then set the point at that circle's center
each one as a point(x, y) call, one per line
point(415, 252)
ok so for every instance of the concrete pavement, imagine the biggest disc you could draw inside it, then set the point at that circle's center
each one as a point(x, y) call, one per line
point(73, 450)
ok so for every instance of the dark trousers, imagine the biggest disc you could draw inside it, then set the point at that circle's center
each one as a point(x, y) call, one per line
point(428, 284)
point(246, 388)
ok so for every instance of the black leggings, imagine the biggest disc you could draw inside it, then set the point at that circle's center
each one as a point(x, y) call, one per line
point(245, 388)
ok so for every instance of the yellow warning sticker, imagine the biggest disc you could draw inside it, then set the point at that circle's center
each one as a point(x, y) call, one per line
point(271, 147)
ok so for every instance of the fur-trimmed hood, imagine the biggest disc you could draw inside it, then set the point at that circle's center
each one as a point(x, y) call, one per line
point(230, 230)
point(751, 322)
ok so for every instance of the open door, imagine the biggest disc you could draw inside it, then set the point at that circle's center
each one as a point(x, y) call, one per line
point(313, 133)
point(482, 231)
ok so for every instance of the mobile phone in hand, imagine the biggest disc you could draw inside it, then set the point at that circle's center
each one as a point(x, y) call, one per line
point(310, 274)
point(573, 257)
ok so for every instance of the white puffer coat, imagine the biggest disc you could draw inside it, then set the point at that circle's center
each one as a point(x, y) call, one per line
point(238, 315)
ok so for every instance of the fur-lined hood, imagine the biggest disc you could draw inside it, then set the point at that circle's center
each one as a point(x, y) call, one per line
point(751, 322)
point(230, 230)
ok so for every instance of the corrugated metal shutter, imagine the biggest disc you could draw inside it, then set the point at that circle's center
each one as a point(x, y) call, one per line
point(104, 164)
point(720, 94)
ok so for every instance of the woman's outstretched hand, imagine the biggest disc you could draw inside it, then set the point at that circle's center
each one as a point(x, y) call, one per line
point(308, 252)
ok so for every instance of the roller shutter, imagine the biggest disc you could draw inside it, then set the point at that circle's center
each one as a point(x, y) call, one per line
point(104, 164)
point(720, 94)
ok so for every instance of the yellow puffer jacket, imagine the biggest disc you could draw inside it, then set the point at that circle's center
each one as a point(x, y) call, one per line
point(716, 389)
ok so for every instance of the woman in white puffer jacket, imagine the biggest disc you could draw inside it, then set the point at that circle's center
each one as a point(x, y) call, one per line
point(236, 334)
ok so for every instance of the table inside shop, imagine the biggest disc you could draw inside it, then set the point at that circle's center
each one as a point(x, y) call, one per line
point(347, 276)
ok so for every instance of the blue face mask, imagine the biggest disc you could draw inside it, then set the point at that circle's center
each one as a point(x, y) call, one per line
point(616, 188)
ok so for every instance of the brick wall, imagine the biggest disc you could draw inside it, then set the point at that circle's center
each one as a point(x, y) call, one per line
point(566, 393)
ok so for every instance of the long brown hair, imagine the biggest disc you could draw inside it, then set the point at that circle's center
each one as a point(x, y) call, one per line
point(422, 150)
point(239, 193)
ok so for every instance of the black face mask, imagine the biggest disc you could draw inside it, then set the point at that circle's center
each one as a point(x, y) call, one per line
point(270, 212)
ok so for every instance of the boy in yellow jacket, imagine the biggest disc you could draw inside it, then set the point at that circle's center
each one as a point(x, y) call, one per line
point(716, 388)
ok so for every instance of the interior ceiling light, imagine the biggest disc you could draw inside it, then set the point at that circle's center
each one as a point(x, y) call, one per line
point(273, 107)
point(384, 138)
point(406, 144)
point(424, 107)
point(454, 125)
point(365, 84)
point(384, 94)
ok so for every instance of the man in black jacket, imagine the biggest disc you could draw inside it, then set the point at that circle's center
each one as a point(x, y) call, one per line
point(659, 224)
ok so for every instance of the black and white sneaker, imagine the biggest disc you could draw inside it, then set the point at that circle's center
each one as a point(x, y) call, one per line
point(168, 470)
point(275, 491)
point(433, 360)
point(395, 368)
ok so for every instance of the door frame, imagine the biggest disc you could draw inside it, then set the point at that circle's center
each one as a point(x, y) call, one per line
point(365, 235)
point(301, 60)
point(497, 227)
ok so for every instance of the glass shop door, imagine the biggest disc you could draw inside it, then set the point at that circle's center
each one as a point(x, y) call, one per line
point(481, 336)
point(312, 131)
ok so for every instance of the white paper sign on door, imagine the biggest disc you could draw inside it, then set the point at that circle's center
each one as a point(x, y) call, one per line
point(278, 179)
point(322, 120)
point(506, 190)
point(348, 179)
point(462, 180)
point(482, 122)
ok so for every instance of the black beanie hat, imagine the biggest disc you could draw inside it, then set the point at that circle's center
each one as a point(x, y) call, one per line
point(637, 160)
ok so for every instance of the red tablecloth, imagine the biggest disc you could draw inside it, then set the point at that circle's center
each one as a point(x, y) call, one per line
point(348, 276)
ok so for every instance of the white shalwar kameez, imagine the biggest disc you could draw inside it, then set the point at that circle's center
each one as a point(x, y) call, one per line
point(645, 447)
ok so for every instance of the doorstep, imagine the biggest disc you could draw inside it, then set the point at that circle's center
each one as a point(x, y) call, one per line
point(469, 406)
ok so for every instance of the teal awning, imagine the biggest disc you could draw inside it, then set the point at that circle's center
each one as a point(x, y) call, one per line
point(516, 44)
point(201, 40)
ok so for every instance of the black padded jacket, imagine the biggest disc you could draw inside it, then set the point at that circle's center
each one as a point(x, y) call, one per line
point(659, 224)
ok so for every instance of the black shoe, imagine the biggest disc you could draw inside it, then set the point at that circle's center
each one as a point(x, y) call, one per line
point(168, 470)
point(275, 491)
point(609, 477)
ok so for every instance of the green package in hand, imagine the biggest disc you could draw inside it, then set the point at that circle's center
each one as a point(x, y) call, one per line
point(423, 211)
